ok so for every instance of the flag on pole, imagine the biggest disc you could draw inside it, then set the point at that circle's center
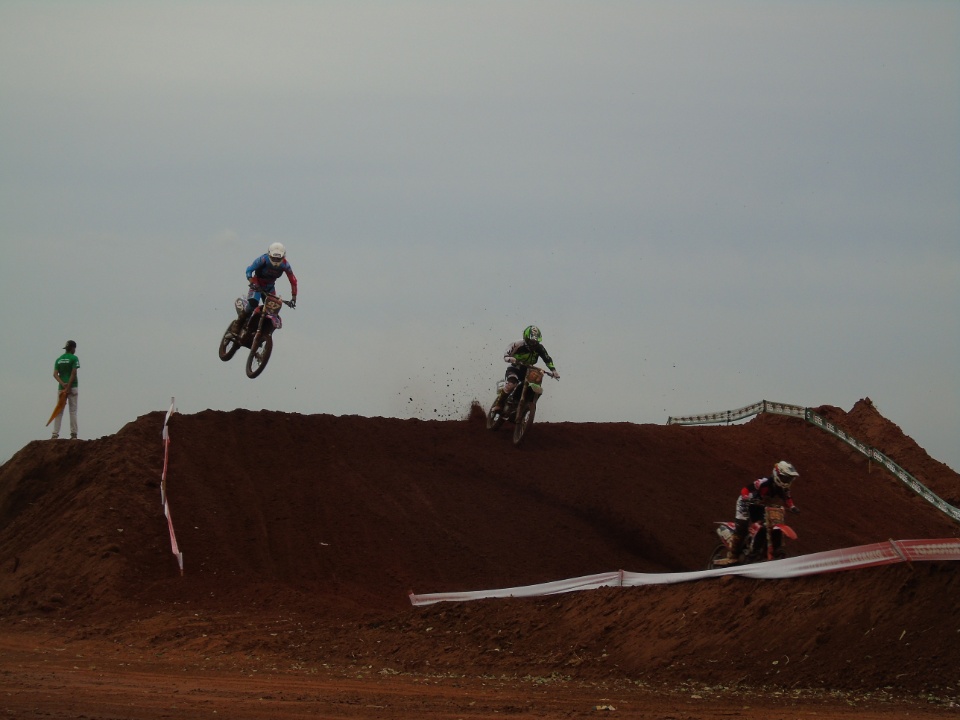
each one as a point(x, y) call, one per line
point(61, 402)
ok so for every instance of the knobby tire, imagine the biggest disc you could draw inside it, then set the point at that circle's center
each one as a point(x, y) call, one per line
point(719, 552)
point(527, 413)
point(494, 418)
point(229, 344)
point(259, 356)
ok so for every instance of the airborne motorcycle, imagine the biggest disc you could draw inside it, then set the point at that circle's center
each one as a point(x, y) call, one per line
point(764, 539)
point(256, 333)
point(521, 405)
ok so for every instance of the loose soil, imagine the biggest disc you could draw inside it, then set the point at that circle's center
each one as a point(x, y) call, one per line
point(303, 535)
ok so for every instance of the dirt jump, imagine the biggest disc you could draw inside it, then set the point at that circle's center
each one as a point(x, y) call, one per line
point(302, 537)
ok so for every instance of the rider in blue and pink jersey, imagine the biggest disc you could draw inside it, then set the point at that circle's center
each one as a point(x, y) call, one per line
point(263, 274)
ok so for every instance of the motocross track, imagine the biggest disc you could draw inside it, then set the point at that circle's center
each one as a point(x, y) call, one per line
point(299, 557)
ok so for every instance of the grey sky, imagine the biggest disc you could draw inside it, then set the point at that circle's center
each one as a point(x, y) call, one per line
point(701, 204)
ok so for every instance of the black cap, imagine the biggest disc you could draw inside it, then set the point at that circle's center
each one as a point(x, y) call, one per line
point(70, 344)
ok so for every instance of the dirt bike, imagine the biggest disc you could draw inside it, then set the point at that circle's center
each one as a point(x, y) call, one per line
point(764, 539)
point(256, 332)
point(520, 407)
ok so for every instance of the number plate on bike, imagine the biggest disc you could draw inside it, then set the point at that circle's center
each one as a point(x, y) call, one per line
point(774, 515)
point(535, 375)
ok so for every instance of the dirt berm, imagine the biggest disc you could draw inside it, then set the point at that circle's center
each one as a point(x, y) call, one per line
point(303, 534)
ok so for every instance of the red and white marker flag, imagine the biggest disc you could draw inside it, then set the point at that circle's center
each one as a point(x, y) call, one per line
point(163, 486)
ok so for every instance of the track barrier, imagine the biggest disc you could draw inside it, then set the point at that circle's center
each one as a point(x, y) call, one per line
point(894, 551)
point(814, 418)
point(863, 556)
point(163, 486)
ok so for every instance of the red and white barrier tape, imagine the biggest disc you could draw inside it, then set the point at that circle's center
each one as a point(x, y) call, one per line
point(863, 556)
point(163, 487)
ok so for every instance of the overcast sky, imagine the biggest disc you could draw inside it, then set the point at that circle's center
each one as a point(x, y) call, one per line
point(702, 205)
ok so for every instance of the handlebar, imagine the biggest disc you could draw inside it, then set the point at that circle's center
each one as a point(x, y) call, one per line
point(257, 288)
point(546, 371)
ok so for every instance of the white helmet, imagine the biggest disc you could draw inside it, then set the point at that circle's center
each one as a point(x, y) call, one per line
point(784, 474)
point(276, 252)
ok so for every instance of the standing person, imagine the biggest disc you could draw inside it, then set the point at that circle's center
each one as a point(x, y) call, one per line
point(750, 503)
point(262, 275)
point(521, 355)
point(65, 373)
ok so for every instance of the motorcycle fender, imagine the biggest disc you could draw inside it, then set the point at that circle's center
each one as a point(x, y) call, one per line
point(277, 322)
point(538, 389)
point(786, 530)
point(725, 532)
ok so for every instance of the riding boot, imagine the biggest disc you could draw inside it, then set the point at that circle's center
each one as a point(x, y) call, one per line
point(241, 322)
point(736, 544)
point(733, 552)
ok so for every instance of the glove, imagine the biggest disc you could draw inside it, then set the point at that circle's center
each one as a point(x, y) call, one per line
point(510, 359)
point(794, 509)
point(293, 301)
point(556, 374)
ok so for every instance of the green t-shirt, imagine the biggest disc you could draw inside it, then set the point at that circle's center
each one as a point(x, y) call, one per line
point(65, 365)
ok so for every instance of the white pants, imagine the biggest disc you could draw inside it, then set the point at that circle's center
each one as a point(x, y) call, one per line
point(72, 403)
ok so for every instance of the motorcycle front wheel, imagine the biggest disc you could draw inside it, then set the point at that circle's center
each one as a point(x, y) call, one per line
point(229, 344)
point(779, 550)
point(259, 356)
point(527, 413)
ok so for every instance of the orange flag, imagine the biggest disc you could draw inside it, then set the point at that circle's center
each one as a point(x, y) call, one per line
point(61, 401)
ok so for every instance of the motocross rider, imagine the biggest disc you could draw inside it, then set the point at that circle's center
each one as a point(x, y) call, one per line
point(751, 500)
point(262, 276)
point(522, 354)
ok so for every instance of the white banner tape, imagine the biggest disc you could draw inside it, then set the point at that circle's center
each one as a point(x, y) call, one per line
point(863, 556)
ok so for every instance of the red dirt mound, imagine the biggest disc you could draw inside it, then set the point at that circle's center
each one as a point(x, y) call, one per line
point(865, 423)
point(303, 534)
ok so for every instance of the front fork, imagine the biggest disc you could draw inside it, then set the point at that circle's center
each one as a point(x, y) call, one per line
point(243, 317)
point(259, 331)
point(522, 401)
point(503, 398)
point(520, 394)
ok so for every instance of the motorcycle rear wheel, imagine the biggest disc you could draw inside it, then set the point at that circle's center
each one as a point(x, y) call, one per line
point(719, 553)
point(229, 344)
point(259, 356)
point(494, 418)
point(527, 413)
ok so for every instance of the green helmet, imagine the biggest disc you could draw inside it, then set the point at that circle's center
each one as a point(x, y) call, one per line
point(532, 334)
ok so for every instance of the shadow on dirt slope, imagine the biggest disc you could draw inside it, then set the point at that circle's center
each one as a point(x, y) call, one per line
point(319, 526)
